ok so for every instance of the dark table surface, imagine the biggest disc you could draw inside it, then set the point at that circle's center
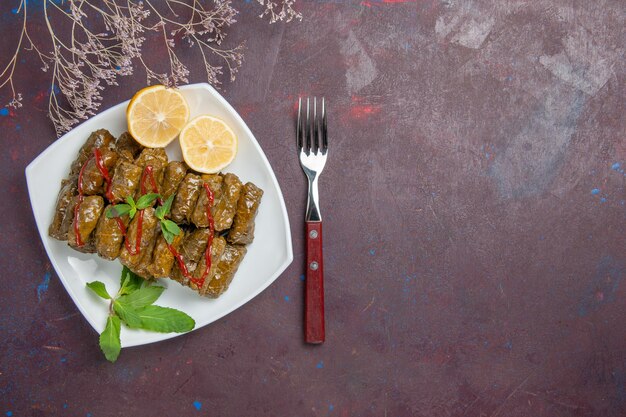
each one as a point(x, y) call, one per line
point(474, 211)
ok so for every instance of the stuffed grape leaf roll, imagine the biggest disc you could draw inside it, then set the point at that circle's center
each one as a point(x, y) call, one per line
point(125, 181)
point(191, 250)
point(84, 222)
point(175, 171)
point(93, 180)
point(226, 205)
point(152, 162)
point(147, 233)
point(64, 199)
point(217, 248)
point(101, 139)
point(109, 235)
point(186, 198)
point(242, 232)
point(127, 147)
point(199, 216)
point(225, 271)
point(162, 257)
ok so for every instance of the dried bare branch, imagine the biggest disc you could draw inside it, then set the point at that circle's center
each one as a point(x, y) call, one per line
point(93, 55)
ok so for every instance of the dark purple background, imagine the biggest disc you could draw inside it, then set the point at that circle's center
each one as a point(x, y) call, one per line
point(474, 225)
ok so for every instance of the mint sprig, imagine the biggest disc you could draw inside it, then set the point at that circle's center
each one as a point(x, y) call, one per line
point(168, 227)
point(131, 207)
point(133, 306)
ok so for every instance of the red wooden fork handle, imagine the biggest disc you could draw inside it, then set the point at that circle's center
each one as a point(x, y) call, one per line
point(314, 298)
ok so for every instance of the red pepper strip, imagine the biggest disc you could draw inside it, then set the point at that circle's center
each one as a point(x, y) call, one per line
point(207, 253)
point(105, 173)
point(148, 172)
point(199, 282)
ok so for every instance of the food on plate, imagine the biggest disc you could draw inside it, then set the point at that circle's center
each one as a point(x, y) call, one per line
point(97, 170)
point(186, 198)
point(163, 256)
point(208, 144)
point(127, 147)
point(156, 115)
point(175, 171)
point(140, 236)
point(159, 217)
point(226, 206)
point(100, 139)
point(58, 229)
point(110, 233)
point(125, 181)
point(87, 211)
point(225, 271)
point(242, 231)
point(199, 217)
point(217, 249)
point(191, 250)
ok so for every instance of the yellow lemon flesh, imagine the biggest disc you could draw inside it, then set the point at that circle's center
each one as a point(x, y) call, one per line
point(208, 144)
point(156, 115)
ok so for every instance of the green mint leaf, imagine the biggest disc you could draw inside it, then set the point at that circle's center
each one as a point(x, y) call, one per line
point(110, 339)
point(118, 210)
point(99, 288)
point(171, 227)
point(164, 209)
point(132, 212)
point(128, 314)
point(144, 296)
point(131, 201)
point(130, 282)
point(169, 237)
point(158, 213)
point(165, 320)
point(146, 200)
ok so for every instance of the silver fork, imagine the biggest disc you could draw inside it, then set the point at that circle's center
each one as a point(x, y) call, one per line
point(312, 142)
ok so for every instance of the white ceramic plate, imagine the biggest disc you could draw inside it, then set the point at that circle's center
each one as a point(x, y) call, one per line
point(268, 256)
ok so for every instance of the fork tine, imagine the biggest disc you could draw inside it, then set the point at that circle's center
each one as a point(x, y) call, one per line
point(299, 131)
point(324, 141)
point(307, 126)
point(316, 131)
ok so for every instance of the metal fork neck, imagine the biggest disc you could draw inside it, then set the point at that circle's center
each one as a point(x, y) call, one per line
point(312, 207)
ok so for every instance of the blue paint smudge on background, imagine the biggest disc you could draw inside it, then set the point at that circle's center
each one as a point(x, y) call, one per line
point(603, 286)
point(4, 111)
point(595, 191)
point(63, 360)
point(9, 413)
point(331, 407)
point(302, 277)
point(286, 298)
point(603, 200)
point(43, 287)
point(65, 405)
point(372, 251)
point(616, 166)
point(508, 345)
point(197, 405)
point(88, 415)
point(320, 365)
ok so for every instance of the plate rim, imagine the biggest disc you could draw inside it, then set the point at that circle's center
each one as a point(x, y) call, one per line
point(165, 336)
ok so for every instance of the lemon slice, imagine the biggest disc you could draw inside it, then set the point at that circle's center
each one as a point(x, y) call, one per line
point(156, 115)
point(208, 144)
